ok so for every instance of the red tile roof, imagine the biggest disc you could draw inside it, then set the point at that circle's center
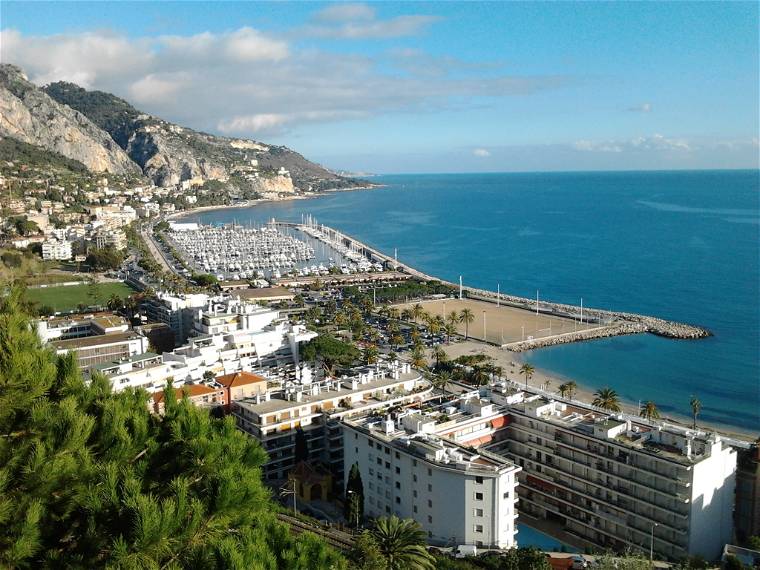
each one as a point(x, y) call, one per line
point(192, 390)
point(239, 379)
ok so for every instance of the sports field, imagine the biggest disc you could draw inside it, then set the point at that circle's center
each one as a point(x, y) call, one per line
point(68, 298)
point(502, 324)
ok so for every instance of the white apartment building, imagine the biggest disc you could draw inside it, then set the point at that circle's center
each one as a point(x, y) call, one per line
point(177, 311)
point(619, 481)
point(232, 337)
point(316, 408)
point(56, 250)
point(457, 495)
point(77, 326)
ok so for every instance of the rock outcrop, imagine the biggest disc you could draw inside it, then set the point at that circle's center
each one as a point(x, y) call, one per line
point(29, 115)
point(169, 154)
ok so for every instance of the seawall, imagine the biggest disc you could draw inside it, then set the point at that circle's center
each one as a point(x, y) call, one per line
point(612, 323)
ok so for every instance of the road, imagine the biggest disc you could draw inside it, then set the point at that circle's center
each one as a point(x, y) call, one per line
point(155, 251)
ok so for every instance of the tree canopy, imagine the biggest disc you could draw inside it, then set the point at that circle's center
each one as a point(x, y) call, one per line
point(90, 478)
point(331, 352)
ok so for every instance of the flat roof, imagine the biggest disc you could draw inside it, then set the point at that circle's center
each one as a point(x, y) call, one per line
point(279, 404)
point(421, 444)
point(88, 341)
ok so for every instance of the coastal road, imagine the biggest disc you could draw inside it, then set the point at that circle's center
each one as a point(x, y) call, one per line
point(155, 251)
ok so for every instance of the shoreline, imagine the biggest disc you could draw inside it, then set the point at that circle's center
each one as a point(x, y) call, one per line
point(584, 392)
point(258, 201)
point(628, 323)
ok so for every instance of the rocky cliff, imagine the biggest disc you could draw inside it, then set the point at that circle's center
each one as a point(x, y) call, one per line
point(169, 153)
point(29, 115)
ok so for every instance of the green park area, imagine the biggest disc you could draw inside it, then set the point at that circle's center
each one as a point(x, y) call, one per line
point(66, 298)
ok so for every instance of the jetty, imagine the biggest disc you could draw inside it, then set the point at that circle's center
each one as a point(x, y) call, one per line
point(606, 323)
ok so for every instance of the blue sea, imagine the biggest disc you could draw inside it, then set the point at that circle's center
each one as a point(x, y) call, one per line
point(679, 245)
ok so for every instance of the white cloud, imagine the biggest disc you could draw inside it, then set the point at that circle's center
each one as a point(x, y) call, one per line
point(346, 12)
point(654, 142)
point(351, 21)
point(643, 108)
point(482, 152)
point(245, 81)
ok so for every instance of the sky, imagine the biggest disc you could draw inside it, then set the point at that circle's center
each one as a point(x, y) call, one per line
point(390, 87)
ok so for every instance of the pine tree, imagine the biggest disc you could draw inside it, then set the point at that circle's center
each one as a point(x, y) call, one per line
point(354, 499)
point(90, 478)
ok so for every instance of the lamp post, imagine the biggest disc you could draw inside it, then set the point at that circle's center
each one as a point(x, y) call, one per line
point(651, 546)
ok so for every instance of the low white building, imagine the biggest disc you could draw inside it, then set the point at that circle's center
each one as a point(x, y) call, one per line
point(457, 495)
point(55, 249)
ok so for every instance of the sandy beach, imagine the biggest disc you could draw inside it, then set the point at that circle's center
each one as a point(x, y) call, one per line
point(502, 324)
point(511, 363)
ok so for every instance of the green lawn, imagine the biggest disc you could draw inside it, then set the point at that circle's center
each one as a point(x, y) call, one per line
point(68, 298)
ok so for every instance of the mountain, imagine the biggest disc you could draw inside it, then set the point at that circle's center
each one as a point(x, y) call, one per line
point(29, 115)
point(168, 153)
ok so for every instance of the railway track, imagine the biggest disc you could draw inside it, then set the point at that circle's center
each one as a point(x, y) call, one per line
point(336, 538)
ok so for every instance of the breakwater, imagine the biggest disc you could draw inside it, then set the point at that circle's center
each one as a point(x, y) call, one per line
point(611, 323)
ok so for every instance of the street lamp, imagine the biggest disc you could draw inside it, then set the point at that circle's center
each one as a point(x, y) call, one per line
point(651, 546)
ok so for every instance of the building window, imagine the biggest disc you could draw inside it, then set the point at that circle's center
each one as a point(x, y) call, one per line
point(397, 455)
point(388, 509)
point(371, 471)
point(398, 500)
point(414, 509)
point(506, 495)
point(414, 462)
point(478, 496)
point(398, 485)
point(477, 512)
point(370, 443)
point(430, 520)
point(430, 472)
point(430, 503)
point(356, 436)
point(387, 465)
point(398, 470)
point(379, 461)
point(414, 493)
point(479, 480)
point(430, 488)
point(356, 450)
point(478, 528)
point(414, 478)
point(388, 450)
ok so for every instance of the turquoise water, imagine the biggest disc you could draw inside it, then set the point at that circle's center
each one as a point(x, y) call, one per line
point(527, 536)
point(680, 245)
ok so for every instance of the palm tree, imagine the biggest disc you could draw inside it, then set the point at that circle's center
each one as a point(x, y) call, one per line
point(696, 407)
point(396, 340)
point(439, 354)
point(607, 399)
point(479, 376)
point(527, 370)
point(393, 313)
point(649, 411)
point(441, 380)
point(370, 354)
point(417, 311)
point(452, 318)
point(466, 317)
point(402, 543)
point(406, 315)
point(114, 302)
point(568, 389)
point(450, 331)
point(418, 357)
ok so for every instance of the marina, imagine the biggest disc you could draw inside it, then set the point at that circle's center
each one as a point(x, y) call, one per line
point(270, 252)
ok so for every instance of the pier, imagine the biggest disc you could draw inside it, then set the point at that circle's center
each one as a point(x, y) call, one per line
point(609, 323)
